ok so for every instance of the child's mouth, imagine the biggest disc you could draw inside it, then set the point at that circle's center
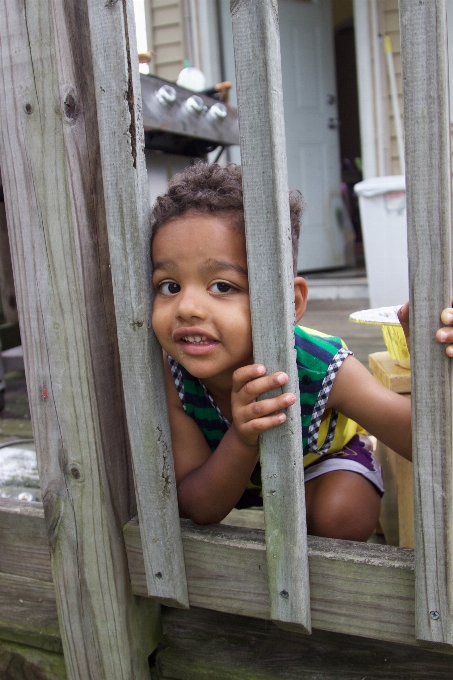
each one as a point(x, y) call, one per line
point(196, 343)
point(196, 339)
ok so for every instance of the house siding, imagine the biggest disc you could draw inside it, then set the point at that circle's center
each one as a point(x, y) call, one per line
point(166, 37)
point(389, 22)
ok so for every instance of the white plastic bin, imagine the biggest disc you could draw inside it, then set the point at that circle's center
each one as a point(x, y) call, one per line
point(382, 202)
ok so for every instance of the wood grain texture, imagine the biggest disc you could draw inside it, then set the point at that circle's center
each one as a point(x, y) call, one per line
point(388, 373)
point(250, 517)
point(202, 645)
point(125, 187)
point(19, 662)
point(8, 294)
point(28, 612)
point(268, 234)
point(389, 515)
point(356, 589)
point(397, 505)
point(53, 187)
point(428, 189)
point(405, 480)
point(23, 540)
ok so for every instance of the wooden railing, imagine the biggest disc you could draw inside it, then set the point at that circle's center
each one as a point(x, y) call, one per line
point(75, 187)
point(428, 189)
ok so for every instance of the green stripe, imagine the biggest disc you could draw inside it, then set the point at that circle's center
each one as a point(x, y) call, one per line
point(191, 387)
point(311, 361)
point(308, 398)
point(212, 434)
point(201, 413)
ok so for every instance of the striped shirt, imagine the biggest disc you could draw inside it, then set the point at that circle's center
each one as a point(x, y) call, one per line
point(318, 358)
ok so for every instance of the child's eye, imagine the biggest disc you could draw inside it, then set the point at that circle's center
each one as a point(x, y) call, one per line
point(222, 287)
point(169, 288)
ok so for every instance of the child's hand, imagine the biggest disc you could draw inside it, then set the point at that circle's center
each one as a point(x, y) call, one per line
point(251, 417)
point(445, 334)
point(403, 316)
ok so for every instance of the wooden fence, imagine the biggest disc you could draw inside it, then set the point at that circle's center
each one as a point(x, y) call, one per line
point(75, 186)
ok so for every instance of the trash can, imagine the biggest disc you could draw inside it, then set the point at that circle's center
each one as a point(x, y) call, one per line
point(382, 202)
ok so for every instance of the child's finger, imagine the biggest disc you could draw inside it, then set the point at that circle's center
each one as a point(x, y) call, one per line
point(249, 431)
point(403, 313)
point(266, 407)
point(445, 335)
point(250, 386)
point(244, 374)
point(446, 318)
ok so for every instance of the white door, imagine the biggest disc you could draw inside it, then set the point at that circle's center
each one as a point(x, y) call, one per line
point(309, 93)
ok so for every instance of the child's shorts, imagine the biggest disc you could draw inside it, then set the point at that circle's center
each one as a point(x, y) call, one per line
point(357, 456)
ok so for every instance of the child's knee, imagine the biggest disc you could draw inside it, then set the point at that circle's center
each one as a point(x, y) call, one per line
point(342, 505)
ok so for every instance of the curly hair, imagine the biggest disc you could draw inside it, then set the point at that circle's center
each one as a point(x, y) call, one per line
point(212, 189)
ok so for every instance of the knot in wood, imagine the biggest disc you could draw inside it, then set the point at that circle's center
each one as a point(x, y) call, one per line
point(284, 594)
point(70, 108)
point(28, 109)
point(75, 472)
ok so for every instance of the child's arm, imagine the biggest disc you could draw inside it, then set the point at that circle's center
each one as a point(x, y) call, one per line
point(385, 414)
point(210, 484)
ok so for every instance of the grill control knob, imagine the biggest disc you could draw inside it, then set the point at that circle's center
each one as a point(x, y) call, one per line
point(195, 104)
point(166, 95)
point(218, 112)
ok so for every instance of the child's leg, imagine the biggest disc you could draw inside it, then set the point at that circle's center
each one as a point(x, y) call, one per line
point(342, 504)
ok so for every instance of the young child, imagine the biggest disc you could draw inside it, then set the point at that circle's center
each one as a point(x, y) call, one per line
point(201, 317)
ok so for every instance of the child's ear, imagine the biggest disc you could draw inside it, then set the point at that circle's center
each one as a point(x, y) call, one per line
point(300, 297)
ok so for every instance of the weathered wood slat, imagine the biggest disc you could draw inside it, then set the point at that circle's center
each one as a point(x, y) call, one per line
point(356, 589)
point(53, 185)
point(7, 291)
point(202, 645)
point(28, 612)
point(116, 79)
point(24, 548)
point(428, 187)
point(268, 233)
point(19, 661)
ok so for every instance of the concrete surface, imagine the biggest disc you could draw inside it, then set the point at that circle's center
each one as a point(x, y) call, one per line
point(332, 317)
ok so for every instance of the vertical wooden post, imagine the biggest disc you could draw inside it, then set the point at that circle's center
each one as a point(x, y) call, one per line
point(6, 272)
point(116, 79)
point(428, 181)
point(263, 151)
point(54, 191)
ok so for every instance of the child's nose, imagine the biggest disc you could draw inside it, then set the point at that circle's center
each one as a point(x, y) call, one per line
point(190, 304)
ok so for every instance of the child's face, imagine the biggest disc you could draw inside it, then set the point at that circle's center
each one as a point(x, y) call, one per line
point(201, 312)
